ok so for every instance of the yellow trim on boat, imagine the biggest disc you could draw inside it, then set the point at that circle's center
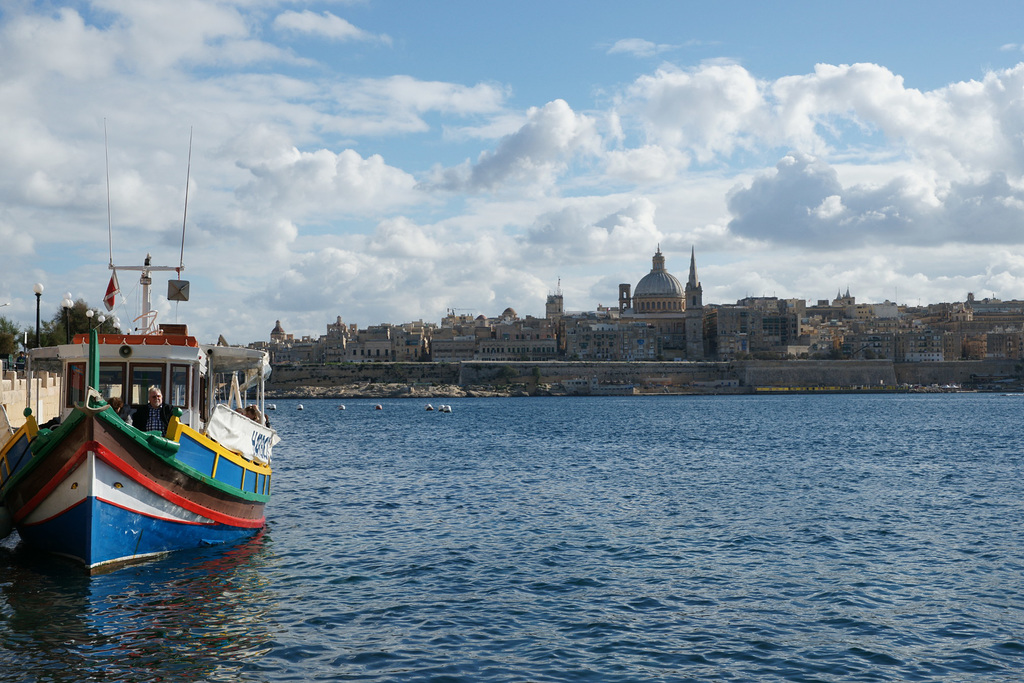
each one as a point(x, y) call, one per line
point(175, 429)
point(5, 464)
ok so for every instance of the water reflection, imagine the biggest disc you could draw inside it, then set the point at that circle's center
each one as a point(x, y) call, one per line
point(194, 615)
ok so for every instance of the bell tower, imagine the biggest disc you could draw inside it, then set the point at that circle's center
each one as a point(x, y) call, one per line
point(625, 297)
point(694, 312)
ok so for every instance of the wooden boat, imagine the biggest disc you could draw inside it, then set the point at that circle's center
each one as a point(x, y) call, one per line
point(98, 490)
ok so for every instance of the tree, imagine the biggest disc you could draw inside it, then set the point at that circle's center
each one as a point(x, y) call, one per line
point(52, 331)
point(9, 334)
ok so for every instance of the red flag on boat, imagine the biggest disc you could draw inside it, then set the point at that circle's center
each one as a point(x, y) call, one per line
point(112, 290)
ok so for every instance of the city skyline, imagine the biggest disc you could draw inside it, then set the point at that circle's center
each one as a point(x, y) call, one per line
point(388, 161)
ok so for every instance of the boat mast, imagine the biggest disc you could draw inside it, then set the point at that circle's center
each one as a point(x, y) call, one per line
point(147, 319)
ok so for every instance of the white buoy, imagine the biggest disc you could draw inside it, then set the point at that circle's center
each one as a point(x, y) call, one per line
point(430, 407)
point(341, 407)
point(378, 407)
point(300, 407)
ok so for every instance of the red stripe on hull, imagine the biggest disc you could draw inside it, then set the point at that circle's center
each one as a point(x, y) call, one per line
point(54, 482)
point(124, 468)
point(114, 461)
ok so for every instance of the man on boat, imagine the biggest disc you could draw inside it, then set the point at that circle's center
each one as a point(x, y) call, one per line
point(154, 416)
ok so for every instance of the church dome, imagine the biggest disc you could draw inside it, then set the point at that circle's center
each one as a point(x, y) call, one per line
point(659, 282)
point(280, 330)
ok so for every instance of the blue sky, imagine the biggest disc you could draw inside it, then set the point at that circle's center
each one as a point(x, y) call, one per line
point(387, 160)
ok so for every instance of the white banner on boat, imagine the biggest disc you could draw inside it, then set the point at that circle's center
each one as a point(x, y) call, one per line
point(237, 432)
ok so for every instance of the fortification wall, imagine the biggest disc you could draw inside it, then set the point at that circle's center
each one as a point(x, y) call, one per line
point(637, 373)
point(964, 373)
point(286, 377)
point(46, 396)
point(499, 372)
point(813, 373)
point(651, 375)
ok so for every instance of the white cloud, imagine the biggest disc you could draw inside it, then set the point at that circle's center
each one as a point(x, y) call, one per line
point(16, 242)
point(59, 44)
point(638, 47)
point(326, 25)
point(317, 185)
point(830, 207)
point(552, 137)
point(567, 235)
point(804, 203)
point(159, 36)
point(405, 92)
point(647, 164)
point(402, 238)
point(711, 111)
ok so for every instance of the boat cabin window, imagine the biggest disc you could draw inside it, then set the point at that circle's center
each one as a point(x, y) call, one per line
point(112, 380)
point(75, 392)
point(143, 376)
point(179, 394)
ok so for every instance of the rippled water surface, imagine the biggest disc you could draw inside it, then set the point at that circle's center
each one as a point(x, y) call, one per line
point(789, 538)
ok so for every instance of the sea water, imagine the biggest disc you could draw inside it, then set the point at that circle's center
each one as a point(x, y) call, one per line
point(742, 538)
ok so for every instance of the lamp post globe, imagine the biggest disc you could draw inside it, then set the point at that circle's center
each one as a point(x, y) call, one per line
point(38, 289)
point(67, 304)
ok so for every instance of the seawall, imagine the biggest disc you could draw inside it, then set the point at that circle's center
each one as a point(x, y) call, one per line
point(46, 395)
point(659, 377)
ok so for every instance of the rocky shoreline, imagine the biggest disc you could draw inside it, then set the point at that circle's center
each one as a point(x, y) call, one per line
point(376, 390)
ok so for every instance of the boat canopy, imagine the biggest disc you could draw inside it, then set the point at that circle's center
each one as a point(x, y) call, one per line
point(253, 363)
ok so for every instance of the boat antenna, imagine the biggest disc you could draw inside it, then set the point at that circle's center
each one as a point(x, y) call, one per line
point(184, 217)
point(106, 161)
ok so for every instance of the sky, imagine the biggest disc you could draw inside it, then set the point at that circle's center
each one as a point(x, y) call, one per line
point(387, 161)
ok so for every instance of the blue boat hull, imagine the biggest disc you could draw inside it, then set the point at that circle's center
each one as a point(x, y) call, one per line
point(95, 532)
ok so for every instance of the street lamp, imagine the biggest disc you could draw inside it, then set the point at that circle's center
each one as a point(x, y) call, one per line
point(67, 303)
point(38, 289)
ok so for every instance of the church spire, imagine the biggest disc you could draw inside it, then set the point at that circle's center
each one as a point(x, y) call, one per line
point(692, 282)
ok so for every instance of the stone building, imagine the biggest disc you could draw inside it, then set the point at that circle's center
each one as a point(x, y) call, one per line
point(284, 348)
point(598, 339)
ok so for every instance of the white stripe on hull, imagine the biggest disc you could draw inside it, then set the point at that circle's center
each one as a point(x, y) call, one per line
point(96, 478)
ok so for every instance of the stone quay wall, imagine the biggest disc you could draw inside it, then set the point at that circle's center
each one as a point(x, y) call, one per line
point(46, 396)
point(817, 374)
point(695, 377)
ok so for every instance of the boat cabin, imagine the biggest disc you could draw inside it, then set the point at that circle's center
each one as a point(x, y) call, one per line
point(192, 376)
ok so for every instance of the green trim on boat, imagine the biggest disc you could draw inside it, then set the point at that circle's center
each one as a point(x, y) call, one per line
point(161, 447)
point(166, 450)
